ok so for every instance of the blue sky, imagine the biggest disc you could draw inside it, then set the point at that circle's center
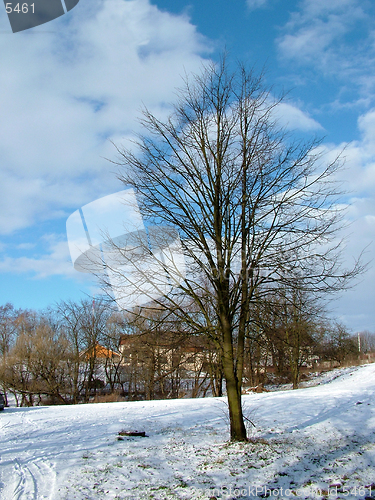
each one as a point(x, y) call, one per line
point(71, 86)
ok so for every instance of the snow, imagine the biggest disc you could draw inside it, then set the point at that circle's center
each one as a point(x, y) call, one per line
point(316, 442)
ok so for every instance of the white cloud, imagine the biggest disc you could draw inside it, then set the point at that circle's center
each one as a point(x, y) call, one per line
point(366, 124)
point(359, 169)
point(293, 118)
point(56, 261)
point(354, 307)
point(322, 7)
point(357, 177)
point(25, 246)
point(335, 37)
point(65, 93)
point(256, 4)
point(53, 260)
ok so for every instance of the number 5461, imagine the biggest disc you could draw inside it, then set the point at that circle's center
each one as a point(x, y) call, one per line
point(24, 9)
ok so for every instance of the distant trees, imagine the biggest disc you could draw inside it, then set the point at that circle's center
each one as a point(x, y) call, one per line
point(86, 324)
point(44, 357)
point(366, 341)
point(73, 351)
point(8, 317)
point(287, 324)
point(165, 361)
point(337, 344)
point(77, 350)
point(93, 330)
point(37, 362)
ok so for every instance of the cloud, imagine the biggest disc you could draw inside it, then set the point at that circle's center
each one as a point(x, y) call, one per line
point(67, 93)
point(293, 118)
point(357, 179)
point(53, 262)
point(359, 168)
point(256, 4)
point(335, 37)
point(366, 124)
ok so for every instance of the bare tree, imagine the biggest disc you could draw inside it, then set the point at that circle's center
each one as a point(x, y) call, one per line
point(70, 317)
point(253, 208)
point(8, 329)
point(37, 363)
point(337, 344)
point(85, 324)
point(366, 341)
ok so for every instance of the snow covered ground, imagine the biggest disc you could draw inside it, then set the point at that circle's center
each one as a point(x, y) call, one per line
point(316, 442)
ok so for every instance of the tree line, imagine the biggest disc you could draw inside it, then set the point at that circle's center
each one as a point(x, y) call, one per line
point(77, 351)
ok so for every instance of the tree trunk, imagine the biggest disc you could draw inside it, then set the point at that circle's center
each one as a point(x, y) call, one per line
point(233, 385)
point(294, 367)
point(237, 426)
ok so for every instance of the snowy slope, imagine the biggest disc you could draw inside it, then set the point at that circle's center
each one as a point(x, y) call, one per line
point(311, 443)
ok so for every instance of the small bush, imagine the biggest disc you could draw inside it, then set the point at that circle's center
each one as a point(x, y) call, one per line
point(109, 398)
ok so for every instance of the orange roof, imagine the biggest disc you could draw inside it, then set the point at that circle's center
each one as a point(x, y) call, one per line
point(100, 352)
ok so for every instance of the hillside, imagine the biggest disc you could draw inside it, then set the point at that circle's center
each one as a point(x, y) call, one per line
point(307, 443)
